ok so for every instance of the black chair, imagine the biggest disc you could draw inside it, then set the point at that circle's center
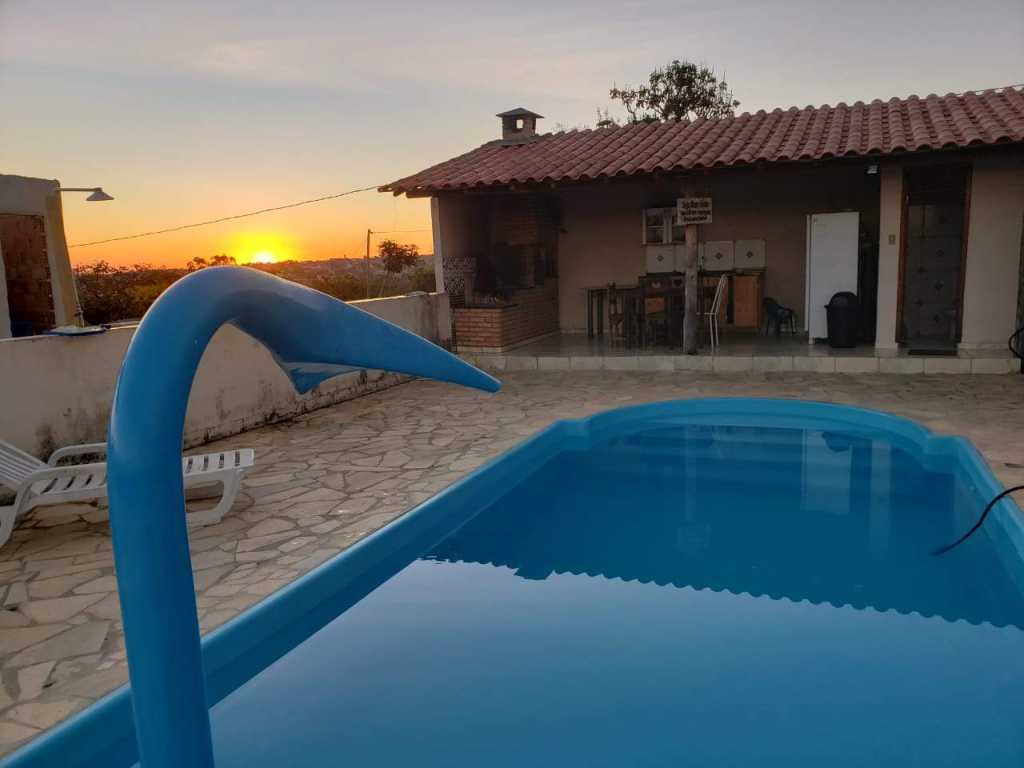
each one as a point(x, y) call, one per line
point(777, 315)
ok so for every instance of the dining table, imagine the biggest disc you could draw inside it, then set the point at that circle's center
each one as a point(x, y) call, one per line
point(659, 298)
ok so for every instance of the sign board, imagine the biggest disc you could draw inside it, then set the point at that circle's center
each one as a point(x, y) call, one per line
point(693, 210)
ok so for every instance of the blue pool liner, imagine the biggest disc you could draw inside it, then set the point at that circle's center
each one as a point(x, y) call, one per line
point(314, 337)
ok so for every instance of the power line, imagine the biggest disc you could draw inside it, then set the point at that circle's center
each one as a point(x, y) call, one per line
point(225, 218)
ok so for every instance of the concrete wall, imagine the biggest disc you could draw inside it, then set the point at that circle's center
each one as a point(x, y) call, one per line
point(601, 223)
point(600, 243)
point(460, 228)
point(57, 390)
point(994, 225)
point(890, 236)
point(39, 197)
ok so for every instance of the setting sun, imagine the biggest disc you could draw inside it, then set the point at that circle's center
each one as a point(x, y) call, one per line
point(260, 247)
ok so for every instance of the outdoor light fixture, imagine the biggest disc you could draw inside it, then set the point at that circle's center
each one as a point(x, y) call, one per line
point(873, 169)
point(98, 195)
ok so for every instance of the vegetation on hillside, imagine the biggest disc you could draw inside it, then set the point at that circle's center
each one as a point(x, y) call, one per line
point(110, 294)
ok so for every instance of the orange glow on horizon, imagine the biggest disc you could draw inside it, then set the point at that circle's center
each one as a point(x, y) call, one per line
point(311, 234)
point(260, 247)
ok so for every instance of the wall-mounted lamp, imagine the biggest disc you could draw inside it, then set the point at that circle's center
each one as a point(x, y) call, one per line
point(98, 195)
point(873, 169)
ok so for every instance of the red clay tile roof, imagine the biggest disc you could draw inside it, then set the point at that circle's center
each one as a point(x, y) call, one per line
point(879, 128)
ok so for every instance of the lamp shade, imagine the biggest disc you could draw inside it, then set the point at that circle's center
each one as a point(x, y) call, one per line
point(98, 195)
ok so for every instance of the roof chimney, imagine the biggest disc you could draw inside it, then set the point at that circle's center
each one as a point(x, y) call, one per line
point(518, 125)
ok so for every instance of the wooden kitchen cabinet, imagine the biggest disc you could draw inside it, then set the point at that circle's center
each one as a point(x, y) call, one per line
point(747, 292)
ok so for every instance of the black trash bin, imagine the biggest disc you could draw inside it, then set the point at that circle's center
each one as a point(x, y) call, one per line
point(843, 320)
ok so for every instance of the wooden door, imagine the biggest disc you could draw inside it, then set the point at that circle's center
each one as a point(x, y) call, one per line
point(933, 249)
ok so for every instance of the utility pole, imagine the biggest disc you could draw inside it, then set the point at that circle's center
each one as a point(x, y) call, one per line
point(368, 233)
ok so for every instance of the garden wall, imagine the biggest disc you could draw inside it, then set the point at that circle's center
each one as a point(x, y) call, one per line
point(57, 390)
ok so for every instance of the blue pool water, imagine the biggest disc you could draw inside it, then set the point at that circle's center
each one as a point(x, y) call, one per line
point(702, 592)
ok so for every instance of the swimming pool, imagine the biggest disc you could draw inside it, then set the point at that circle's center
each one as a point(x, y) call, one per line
point(683, 584)
point(695, 583)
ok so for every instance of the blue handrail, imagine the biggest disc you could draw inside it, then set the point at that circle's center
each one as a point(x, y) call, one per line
point(312, 337)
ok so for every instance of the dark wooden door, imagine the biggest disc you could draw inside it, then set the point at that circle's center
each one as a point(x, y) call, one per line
point(934, 231)
point(27, 271)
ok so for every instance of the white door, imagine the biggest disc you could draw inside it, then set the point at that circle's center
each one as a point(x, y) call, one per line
point(831, 264)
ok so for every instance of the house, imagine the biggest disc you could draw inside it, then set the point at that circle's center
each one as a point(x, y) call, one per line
point(916, 205)
point(37, 286)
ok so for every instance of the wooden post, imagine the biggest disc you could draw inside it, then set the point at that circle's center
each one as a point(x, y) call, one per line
point(690, 318)
point(368, 233)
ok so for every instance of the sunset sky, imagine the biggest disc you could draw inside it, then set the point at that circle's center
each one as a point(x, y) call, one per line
point(195, 110)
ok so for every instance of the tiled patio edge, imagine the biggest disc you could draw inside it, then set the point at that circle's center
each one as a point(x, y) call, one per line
point(747, 363)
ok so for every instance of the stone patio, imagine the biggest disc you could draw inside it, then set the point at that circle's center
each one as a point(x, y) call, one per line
point(740, 352)
point(327, 479)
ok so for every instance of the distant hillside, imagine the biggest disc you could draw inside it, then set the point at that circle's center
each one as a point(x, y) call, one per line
point(110, 294)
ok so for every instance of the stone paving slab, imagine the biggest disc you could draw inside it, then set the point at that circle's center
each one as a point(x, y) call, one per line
point(326, 479)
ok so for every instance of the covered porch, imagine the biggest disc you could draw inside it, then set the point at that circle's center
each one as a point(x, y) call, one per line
point(521, 264)
point(916, 240)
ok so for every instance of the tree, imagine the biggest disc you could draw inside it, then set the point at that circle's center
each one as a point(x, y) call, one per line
point(109, 293)
point(680, 90)
point(396, 258)
point(605, 119)
point(423, 280)
point(219, 260)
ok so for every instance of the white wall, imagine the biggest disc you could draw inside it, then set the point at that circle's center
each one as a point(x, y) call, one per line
point(438, 236)
point(40, 197)
point(57, 390)
point(601, 225)
point(25, 194)
point(993, 251)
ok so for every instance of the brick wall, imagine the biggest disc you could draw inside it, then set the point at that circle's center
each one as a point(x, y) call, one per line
point(533, 313)
point(27, 269)
point(518, 220)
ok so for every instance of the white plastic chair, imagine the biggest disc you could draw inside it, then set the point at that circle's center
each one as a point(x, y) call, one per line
point(37, 484)
point(711, 316)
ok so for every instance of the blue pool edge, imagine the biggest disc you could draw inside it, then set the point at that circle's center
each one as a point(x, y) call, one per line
point(104, 732)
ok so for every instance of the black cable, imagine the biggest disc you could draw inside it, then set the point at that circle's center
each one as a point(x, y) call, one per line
point(977, 525)
point(225, 218)
point(1012, 343)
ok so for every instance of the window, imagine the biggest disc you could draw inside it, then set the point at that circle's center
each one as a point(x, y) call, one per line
point(654, 226)
point(660, 227)
point(678, 230)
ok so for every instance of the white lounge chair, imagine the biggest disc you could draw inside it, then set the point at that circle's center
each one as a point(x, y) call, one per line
point(36, 484)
